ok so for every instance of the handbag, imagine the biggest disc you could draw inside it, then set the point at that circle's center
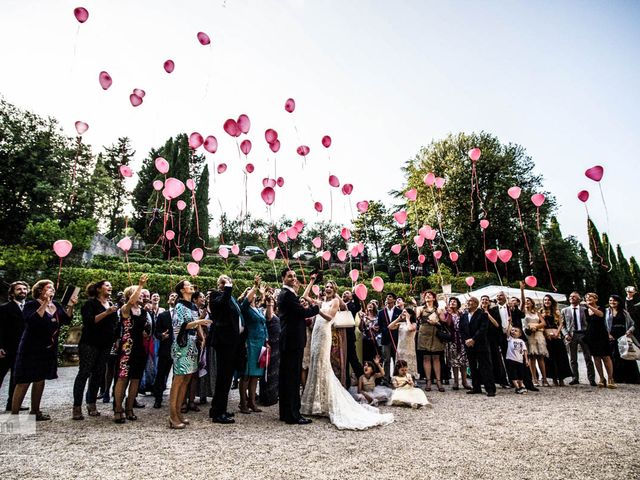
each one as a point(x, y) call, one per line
point(551, 333)
point(628, 350)
point(181, 340)
point(344, 319)
point(443, 333)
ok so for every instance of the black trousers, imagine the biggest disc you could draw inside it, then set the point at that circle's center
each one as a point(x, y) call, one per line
point(93, 362)
point(6, 366)
point(481, 370)
point(497, 361)
point(352, 361)
point(229, 359)
point(289, 386)
point(165, 363)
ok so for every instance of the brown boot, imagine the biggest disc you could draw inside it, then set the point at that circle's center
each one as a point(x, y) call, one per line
point(77, 413)
point(92, 410)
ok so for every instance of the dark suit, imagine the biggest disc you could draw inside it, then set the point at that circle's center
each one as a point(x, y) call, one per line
point(11, 328)
point(164, 323)
point(498, 347)
point(293, 338)
point(389, 337)
point(228, 343)
point(352, 356)
point(479, 355)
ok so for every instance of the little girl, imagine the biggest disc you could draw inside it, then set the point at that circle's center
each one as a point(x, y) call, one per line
point(404, 392)
point(367, 391)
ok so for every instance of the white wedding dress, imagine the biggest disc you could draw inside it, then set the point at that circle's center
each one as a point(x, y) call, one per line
point(325, 396)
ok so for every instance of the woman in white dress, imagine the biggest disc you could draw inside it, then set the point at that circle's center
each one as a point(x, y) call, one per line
point(324, 395)
point(406, 326)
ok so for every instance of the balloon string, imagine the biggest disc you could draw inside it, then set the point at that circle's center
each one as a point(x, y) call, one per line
point(484, 245)
point(75, 167)
point(526, 242)
point(473, 172)
point(606, 212)
point(544, 253)
point(595, 249)
point(126, 257)
point(59, 272)
point(439, 219)
point(498, 273)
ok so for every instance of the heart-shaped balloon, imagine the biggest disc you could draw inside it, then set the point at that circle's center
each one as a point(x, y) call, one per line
point(431, 234)
point(211, 144)
point(437, 254)
point(326, 141)
point(221, 168)
point(396, 248)
point(514, 192)
point(474, 155)
point(537, 199)
point(440, 182)
point(333, 181)
point(139, 92)
point(361, 291)
point(124, 244)
point(342, 255)
point(318, 207)
point(429, 179)
point(197, 254)
point(203, 38)
point(470, 281)
point(271, 254)
point(354, 251)
point(326, 256)
point(419, 240)
point(583, 195)
point(62, 247)
point(504, 255)
point(400, 217)
point(317, 242)
point(125, 171)
point(354, 274)
point(292, 233)
point(193, 269)
point(224, 252)
point(347, 188)
point(105, 80)
point(531, 281)
point(162, 165)
point(81, 127)
point(282, 236)
point(170, 234)
point(195, 140)
point(362, 206)
point(345, 233)
point(595, 173)
point(169, 66)
point(316, 290)
point(235, 249)
point(411, 194)
point(377, 283)
point(492, 255)
point(135, 100)
point(422, 231)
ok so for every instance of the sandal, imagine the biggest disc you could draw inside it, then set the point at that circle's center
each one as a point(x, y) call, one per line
point(427, 387)
point(131, 416)
point(177, 426)
point(255, 409)
point(41, 417)
point(117, 416)
point(440, 387)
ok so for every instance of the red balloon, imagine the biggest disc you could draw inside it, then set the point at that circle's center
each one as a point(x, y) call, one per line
point(81, 127)
point(345, 233)
point(419, 240)
point(245, 147)
point(326, 141)
point(170, 234)
point(492, 255)
point(169, 65)
point(135, 100)
point(439, 182)
point(583, 195)
point(275, 146)
point(138, 91)
point(303, 150)
point(222, 168)
point(411, 194)
point(504, 255)
point(299, 225)
point(270, 135)
point(173, 188)
point(231, 127)
point(474, 155)
point(347, 188)
point(195, 140)
point(290, 105)
point(244, 124)
point(105, 80)
point(400, 217)
point(249, 167)
point(268, 195)
point(531, 281)
point(429, 179)
point(595, 173)
point(211, 144)
point(421, 258)
point(268, 182)
point(333, 181)
point(317, 206)
point(292, 233)
point(396, 248)
point(203, 38)
point(81, 14)
point(280, 181)
point(537, 199)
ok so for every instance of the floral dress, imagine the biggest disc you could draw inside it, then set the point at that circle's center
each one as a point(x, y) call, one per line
point(456, 353)
point(185, 359)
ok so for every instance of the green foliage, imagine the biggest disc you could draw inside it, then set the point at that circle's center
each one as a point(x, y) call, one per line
point(43, 234)
point(24, 262)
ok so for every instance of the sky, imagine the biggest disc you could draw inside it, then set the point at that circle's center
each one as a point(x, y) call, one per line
point(381, 78)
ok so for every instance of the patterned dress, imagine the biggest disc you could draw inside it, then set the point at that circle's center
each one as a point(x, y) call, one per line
point(132, 355)
point(407, 348)
point(185, 359)
point(456, 353)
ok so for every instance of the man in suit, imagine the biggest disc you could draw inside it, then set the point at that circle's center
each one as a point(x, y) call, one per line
point(387, 314)
point(495, 338)
point(229, 336)
point(164, 334)
point(11, 328)
point(293, 338)
point(632, 305)
point(354, 306)
point(574, 327)
point(473, 330)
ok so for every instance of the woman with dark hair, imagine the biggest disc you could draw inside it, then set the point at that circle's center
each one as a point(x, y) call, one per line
point(429, 343)
point(184, 351)
point(369, 329)
point(406, 326)
point(269, 382)
point(456, 353)
point(597, 337)
point(620, 323)
point(37, 356)
point(557, 363)
point(99, 318)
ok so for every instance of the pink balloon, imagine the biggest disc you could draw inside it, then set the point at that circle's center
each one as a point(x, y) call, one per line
point(173, 187)
point(211, 144)
point(431, 234)
point(235, 249)
point(411, 194)
point(345, 233)
point(169, 66)
point(317, 242)
point(537, 199)
point(347, 188)
point(396, 248)
point(81, 127)
point(361, 291)
point(424, 231)
point(136, 100)
point(197, 254)
point(400, 217)
point(245, 147)
point(318, 207)
point(504, 255)
point(275, 146)
point(360, 247)
point(362, 206)
point(282, 236)
point(292, 233)
point(303, 150)
point(354, 251)
point(440, 182)
point(354, 274)
point(231, 127)
point(170, 234)
point(268, 195)
point(484, 224)
point(316, 290)
point(224, 252)
point(583, 195)
point(421, 258)
point(429, 179)
point(290, 105)
point(244, 124)
point(377, 283)
point(139, 92)
point(595, 173)
point(514, 192)
point(437, 254)
point(268, 182)
point(193, 269)
point(191, 184)
point(474, 154)
point(470, 281)
point(342, 255)
point(492, 255)
point(105, 80)
point(222, 168)
point(280, 181)
point(454, 256)
point(271, 254)
point(158, 184)
point(249, 167)
point(326, 141)
point(124, 244)
point(81, 14)
point(162, 165)
point(299, 225)
point(270, 135)
point(125, 171)
point(531, 281)
point(203, 38)
point(195, 140)
point(419, 240)
point(326, 256)
point(181, 205)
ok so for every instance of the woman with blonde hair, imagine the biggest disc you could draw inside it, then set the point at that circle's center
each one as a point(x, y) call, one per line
point(534, 325)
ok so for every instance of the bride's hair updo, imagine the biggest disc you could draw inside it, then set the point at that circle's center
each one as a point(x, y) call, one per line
point(334, 287)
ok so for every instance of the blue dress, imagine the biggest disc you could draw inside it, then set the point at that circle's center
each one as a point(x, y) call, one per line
point(256, 326)
point(185, 359)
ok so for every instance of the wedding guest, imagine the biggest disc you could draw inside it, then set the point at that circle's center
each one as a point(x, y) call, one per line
point(164, 335)
point(455, 351)
point(620, 323)
point(517, 360)
point(132, 356)
point(269, 382)
point(574, 321)
point(367, 391)
point(517, 317)
point(597, 337)
point(11, 328)
point(429, 343)
point(112, 361)
point(99, 318)
point(473, 330)
point(558, 362)
point(406, 326)
point(389, 340)
point(151, 305)
point(370, 330)
point(404, 391)
point(537, 344)
point(354, 306)
point(37, 355)
point(497, 335)
point(632, 305)
point(193, 387)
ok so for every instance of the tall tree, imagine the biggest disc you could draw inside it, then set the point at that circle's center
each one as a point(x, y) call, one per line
point(624, 268)
point(117, 196)
point(635, 271)
point(374, 225)
point(603, 259)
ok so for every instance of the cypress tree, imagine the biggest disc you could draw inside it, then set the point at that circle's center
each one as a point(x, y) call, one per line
point(635, 271)
point(624, 268)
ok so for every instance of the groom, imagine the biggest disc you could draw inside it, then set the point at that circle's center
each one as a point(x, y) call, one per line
point(293, 338)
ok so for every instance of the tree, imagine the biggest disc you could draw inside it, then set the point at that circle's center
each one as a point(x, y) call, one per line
point(624, 268)
point(635, 271)
point(116, 196)
point(604, 263)
point(374, 225)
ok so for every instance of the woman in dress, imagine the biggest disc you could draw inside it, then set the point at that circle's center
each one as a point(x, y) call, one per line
point(255, 323)
point(534, 325)
point(369, 329)
point(269, 383)
point(557, 363)
point(184, 351)
point(306, 355)
point(429, 343)
point(406, 326)
point(620, 323)
point(37, 355)
point(324, 395)
point(597, 337)
point(456, 353)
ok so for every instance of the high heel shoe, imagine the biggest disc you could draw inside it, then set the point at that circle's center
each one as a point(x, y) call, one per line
point(117, 416)
point(185, 421)
point(131, 416)
point(440, 387)
point(176, 426)
point(612, 385)
point(253, 408)
point(427, 387)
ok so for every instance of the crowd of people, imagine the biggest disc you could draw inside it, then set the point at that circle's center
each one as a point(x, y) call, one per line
point(347, 357)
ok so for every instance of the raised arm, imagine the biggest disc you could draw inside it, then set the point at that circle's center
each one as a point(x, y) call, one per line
point(133, 300)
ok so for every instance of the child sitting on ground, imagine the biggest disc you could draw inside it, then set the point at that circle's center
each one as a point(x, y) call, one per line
point(516, 358)
point(367, 391)
point(405, 393)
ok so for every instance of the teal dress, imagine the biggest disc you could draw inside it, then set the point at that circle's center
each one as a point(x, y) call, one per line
point(255, 324)
point(185, 359)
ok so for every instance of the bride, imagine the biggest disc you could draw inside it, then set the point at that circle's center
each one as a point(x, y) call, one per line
point(324, 395)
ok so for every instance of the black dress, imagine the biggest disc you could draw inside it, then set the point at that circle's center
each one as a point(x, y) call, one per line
point(597, 336)
point(132, 357)
point(269, 382)
point(624, 371)
point(37, 357)
point(557, 363)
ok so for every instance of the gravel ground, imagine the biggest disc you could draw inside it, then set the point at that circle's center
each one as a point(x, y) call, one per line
point(570, 432)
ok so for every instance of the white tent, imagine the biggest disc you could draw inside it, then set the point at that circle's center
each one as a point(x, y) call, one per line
point(492, 291)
